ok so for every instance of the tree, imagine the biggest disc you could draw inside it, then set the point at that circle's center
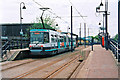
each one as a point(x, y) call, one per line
point(116, 37)
point(49, 23)
point(96, 37)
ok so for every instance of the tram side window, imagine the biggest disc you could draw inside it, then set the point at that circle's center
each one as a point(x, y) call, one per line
point(56, 38)
point(64, 39)
point(46, 37)
point(52, 38)
point(61, 39)
point(68, 39)
point(73, 40)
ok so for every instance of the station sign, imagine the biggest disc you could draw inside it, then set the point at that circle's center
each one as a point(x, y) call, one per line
point(4, 37)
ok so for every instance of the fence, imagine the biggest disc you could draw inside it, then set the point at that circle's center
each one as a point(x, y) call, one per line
point(8, 45)
point(113, 46)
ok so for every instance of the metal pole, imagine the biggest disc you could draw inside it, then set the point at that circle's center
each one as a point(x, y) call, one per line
point(92, 42)
point(118, 30)
point(85, 34)
point(21, 32)
point(42, 19)
point(43, 9)
point(106, 24)
point(80, 33)
point(103, 24)
point(106, 36)
point(0, 43)
point(21, 23)
point(42, 22)
point(71, 32)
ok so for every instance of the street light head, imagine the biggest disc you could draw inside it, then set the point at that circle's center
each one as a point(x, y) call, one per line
point(101, 4)
point(56, 24)
point(99, 23)
point(24, 7)
point(44, 9)
point(21, 18)
point(98, 7)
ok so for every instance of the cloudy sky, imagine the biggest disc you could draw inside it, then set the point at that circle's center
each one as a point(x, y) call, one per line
point(10, 13)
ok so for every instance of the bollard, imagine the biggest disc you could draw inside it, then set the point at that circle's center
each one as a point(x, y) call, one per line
point(81, 56)
point(92, 43)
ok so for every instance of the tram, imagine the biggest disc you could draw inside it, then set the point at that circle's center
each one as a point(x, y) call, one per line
point(49, 42)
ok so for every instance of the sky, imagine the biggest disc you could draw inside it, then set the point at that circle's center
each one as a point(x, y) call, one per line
point(61, 11)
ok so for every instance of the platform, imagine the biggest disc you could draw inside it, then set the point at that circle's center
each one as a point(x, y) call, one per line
point(99, 64)
point(12, 54)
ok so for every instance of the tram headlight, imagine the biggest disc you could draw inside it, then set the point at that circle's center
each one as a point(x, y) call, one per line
point(41, 45)
point(30, 46)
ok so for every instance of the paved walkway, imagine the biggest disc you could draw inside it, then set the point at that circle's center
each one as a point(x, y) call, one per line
point(99, 64)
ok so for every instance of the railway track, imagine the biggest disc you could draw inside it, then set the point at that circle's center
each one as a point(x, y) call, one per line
point(45, 66)
point(74, 72)
point(26, 62)
point(59, 69)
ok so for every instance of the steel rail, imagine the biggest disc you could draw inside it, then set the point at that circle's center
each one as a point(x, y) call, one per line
point(39, 68)
point(59, 69)
point(18, 65)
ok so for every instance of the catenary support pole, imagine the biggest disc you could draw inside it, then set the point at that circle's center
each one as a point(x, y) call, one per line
point(85, 34)
point(71, 32)
point(103, 24)
point(119, 30)
point(80, 33)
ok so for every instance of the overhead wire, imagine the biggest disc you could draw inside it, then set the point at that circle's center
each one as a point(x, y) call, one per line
point(30, 12)
point(76, 10)
point(51, 12)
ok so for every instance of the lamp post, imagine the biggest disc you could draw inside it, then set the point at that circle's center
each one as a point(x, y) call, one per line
point(21, 32)
point(43, 9)
point(106, 20)
point(118, 30)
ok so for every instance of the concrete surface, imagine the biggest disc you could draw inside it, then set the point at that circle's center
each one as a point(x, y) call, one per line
point(99, 64)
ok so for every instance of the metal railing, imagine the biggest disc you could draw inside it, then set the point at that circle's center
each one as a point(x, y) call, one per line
point(113, 46)
point(4, 49)
point(10, 45)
